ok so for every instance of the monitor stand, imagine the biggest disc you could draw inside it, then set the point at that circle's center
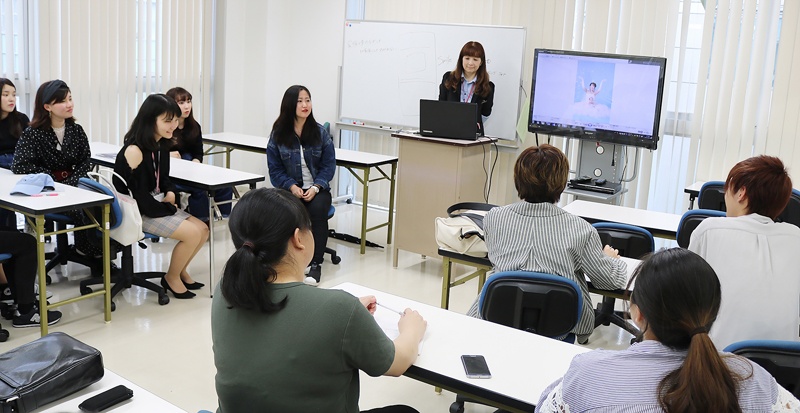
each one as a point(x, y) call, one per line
point(599, 172)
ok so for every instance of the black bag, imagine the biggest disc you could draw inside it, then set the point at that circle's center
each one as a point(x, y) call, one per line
point(45, 370)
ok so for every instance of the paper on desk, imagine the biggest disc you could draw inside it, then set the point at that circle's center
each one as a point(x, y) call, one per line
point(387, 321)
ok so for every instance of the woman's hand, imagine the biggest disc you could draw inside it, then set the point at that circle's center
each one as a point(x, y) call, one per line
point(412, 323)
point(369, 302)
point(169, 197)
point(310, 193)
point(175, 154)
point(611, 252)
point(296, 191)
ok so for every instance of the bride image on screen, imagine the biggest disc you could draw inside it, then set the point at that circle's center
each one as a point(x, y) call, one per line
point(590, 108)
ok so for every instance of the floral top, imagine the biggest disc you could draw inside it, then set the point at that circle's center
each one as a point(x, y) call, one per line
point(38, 151)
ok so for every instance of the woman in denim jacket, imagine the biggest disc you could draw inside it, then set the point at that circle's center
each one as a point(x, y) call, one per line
point(307, 177)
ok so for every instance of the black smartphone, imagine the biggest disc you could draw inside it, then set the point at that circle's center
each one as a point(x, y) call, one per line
point(476, 367)
point(106, 399)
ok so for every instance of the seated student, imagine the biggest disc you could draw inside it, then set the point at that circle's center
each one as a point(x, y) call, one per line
point(56, 145)
point(20, 272)
point(676, 368)
point(143, 162)
point(281, 345)
point(536, 235)
point(301, 158)
point(756, 259)
point(188, 144)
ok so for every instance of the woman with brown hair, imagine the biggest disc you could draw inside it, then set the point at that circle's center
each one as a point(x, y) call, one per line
point(676, 367)
point(469, 81)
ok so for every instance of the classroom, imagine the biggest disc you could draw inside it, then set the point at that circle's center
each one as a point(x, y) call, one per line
point(727, 71)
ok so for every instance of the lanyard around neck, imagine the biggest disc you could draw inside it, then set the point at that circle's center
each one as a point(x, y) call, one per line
point(472, 89)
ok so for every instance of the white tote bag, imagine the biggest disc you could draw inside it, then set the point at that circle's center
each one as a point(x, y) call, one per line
point(130, 229)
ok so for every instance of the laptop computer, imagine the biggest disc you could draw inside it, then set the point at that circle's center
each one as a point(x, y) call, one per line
point(453, 120)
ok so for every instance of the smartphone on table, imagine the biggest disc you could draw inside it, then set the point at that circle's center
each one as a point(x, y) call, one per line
point(475, 366)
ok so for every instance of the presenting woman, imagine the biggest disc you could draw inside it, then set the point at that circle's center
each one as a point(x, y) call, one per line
point(188, 144)
point(469, 82)
point(54, 144)
point(301, 159)
point(676, 368)
point(143, 162)
point(12, 123)
point(282, 346)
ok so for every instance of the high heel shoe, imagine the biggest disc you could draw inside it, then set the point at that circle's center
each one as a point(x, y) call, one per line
point(183, 295)
point(193, 286)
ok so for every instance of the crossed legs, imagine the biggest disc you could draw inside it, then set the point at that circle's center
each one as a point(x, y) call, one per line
point(191, 235)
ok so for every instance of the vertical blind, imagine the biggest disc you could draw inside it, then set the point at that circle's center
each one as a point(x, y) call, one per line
point(113, 54)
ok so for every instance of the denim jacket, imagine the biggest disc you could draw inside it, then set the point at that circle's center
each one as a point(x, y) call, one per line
point(284, 167)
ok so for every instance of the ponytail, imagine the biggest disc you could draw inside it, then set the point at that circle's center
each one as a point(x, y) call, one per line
point(261, 224)
point(703, 383)
point(678, 294)
point(244, 280)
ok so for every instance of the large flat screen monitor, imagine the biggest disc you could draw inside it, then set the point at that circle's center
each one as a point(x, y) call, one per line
point(596, 96)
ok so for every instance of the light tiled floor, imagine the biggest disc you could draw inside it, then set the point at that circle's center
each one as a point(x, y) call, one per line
point(167, 349)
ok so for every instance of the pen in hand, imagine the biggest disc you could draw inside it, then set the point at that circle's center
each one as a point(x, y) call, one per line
point(390, 309)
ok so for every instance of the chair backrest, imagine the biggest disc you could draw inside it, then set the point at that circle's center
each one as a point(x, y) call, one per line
point(712, 196)
point(690, 220)
point(780, 358)
point(544, 304)
point(327, 127)
point(792, 212)
point(92, 185)
point(630, 240)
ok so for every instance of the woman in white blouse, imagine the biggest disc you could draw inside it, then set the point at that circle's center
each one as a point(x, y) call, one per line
point(676, 367)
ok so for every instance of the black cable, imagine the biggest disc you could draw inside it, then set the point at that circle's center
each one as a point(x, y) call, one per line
point(491, 170)
point(485, 173)
point(536, 134)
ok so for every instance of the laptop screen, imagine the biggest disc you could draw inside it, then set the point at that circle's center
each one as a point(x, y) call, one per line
point(452, 120)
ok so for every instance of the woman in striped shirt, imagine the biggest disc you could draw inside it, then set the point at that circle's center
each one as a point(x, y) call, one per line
point(534, 234)
point(676, 368)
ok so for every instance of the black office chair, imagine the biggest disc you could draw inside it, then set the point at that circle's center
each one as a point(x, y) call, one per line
point(791, 213)
point(712, 196)
point(689, 221)
point(125, 278)
point(632, 242)
point(539, 303)
point(780, 358)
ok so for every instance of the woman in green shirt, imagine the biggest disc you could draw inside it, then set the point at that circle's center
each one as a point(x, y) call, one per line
point(281, 345)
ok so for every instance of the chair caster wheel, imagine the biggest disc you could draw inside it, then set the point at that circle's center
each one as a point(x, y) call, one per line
point(3, 335)
point(113, 306)
point(457, 407)
point(349, 200)
point(48, 280)
point(85, 290)
point(336, 260)
point(163, 299)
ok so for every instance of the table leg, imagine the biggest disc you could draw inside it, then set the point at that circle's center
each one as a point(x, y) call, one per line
point(106, 262)
point(364, 202)
point(445, 282)
point(228, 157)
point(211, 241)
point(39, 233)
point(391, 204)
point(395, 257)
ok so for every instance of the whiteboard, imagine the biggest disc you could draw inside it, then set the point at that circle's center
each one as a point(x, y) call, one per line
point(387, 67)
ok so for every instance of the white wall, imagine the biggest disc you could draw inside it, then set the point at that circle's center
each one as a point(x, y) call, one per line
point(270, 45)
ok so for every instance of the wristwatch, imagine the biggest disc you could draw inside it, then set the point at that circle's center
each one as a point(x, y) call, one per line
point(316, 188)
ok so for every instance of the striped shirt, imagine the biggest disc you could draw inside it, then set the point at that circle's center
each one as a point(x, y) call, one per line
point(627, 381)
point(543, 237)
